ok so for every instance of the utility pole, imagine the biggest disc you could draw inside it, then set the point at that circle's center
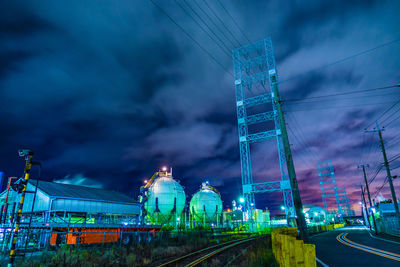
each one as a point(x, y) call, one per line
point(369, 195)
point(386, 163)
point(365, 206)
point(298, 205)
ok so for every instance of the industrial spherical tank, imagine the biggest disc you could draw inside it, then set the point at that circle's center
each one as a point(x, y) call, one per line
point(166, 199)
point(206, 204)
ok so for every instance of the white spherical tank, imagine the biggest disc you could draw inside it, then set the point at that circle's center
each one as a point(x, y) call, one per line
point(166, 200)
point(206, 204)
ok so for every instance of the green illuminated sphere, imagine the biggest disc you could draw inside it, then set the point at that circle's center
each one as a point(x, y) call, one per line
point(206, 204)
point(163, 195)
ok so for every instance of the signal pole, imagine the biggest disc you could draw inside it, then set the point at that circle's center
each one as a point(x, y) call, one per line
point(369, 196)
point(386, 163)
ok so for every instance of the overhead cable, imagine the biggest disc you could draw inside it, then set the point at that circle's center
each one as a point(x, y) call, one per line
point(192, 38)
point(342, 60)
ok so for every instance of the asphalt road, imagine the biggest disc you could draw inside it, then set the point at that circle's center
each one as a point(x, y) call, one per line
point(356, 248)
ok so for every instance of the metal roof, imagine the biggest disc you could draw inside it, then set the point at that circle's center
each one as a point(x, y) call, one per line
point(81, 192)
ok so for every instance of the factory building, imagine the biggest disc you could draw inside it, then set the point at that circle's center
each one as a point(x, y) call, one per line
point(66, 203)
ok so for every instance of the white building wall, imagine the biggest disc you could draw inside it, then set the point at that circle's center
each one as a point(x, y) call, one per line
point(43, 202)
point(91, 206)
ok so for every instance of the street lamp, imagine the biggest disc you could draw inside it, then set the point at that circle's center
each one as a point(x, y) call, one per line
point(241, 199)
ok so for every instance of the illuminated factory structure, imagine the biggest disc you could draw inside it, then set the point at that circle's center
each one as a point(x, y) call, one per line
point(163, 199)
point(206, 207)
point(72, 214)
point(66, 203)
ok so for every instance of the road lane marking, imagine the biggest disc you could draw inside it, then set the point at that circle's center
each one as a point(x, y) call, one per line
point(322, 263)
point(342, 239)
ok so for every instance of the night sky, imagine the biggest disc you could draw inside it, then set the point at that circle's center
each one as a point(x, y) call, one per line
point(107, 92)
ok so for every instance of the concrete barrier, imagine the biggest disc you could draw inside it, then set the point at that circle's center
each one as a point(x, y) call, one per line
point(290, 252)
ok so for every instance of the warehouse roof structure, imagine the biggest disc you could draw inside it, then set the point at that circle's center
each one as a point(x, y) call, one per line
point(81, 192)
point(58, 197)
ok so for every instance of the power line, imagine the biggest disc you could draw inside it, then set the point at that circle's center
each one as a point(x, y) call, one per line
point(201, 27)
point(396, 139)
point(342, 60)
point(237, 26)
point(301, 134)
point(363, 149)
point(306, 163)
point(337, 107)
point(378, 170)
point(394, 112)
point(395, 119)
point(222, 22)
point(377, 191)
point(215, 24)
point(370, 170)
point(386, 111)
point(371, 143)
point(208, 27)
point(343, 99)
point(191, 38)
point(370, 151)
point(394, 158)
point(340, 94)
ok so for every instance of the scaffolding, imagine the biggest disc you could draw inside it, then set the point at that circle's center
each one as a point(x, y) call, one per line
point(254, 69)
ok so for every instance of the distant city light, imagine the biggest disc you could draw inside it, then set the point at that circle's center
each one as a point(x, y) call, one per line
point(241, 200)
point(252, 204)
point(282, 207)
point(178, 219)
point(164, 169)
point(145, 181)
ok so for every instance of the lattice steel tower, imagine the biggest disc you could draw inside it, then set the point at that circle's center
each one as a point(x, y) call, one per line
point(345, 202)
point(256, 85)
point(327, 181)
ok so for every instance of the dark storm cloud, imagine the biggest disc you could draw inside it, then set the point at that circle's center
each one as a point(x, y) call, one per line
point(109, 91)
